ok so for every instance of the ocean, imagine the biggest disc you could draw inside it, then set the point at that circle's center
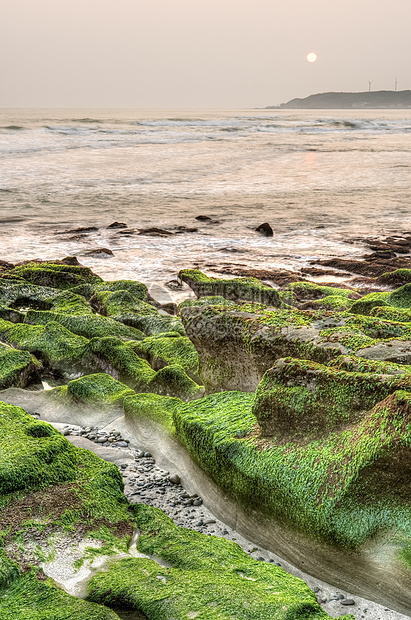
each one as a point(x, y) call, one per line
point(322, 179)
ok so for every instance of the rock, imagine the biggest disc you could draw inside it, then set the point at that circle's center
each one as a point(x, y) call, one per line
point(174, 479)
point(204, 218)
point(185, 229)
point(347, 601)
point(170, 308)
point(265, 229)
point(117, 225)
point(155, 232)
point(120, 444)
point(99, 253)
point(82, 229)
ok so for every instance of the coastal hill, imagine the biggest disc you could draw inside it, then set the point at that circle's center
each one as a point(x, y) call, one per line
point(374, 99)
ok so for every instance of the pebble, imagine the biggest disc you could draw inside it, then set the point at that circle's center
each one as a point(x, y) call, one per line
point(347, 601)
point(174, 479)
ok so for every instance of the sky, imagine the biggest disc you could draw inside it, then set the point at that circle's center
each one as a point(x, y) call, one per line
point(197, 53)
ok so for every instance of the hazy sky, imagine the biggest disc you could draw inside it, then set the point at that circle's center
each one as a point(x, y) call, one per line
point(197, 53)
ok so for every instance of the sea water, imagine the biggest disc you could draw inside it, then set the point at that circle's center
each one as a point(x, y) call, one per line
point(322, 179)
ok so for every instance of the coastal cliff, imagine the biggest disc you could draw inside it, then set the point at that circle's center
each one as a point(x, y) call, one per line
point(368, 100)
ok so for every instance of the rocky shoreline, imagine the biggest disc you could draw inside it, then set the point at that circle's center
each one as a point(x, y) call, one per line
point(292, 399)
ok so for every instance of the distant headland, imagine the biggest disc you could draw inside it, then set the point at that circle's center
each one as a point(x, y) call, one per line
point(367, 100)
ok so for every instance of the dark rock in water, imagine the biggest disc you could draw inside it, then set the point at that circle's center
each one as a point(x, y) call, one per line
point(204, 218)
point(265, 229)
point(155, 232)
point(99, 253)
point(174, 479)
point(126, 232)
point(185, 229)
point(82, 229)
point(117, 225)
point(348, 601)
point(70, 260)
point(174, 285)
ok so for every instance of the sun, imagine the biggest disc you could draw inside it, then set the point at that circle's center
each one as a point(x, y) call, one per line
point(312, 57)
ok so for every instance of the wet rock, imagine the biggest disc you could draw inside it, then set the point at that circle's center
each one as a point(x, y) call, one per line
point(99, 253)
point(81, 229)
point(347, 601)
point(204, 218)
point(265, 229)
point(117, 225)
point(155, 232)
point(174, 479)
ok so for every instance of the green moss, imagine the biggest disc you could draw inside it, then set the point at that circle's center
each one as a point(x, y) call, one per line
point(396, 278)
point(401, 298)
point(55, 275)
point(123, 363)
point(136, 289)
point(53, 344)
point(237, 289)
point(303, 399)
point(28, 461)
point(331, 302)
point(343, 487)
point(29, 599)
point(154, 407)
point(368, 302)
point(207, 576)
point(173, 381)
point(89, 325)
point(310, 290)
point(170, 348)
point(123, 307)
point(360, 364)
point(99, 388)
point(212, 300)
point(389, 313)
point(17, 368)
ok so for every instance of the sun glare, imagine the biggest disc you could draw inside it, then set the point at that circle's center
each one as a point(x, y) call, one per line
point(312, 57)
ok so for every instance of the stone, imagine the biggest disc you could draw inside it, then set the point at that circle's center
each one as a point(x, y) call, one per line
point(99, 253)
point(204, 218)
point(117, 225)
point(347, 601)
point(265, 229)
point(175, 479)
point(155, 232)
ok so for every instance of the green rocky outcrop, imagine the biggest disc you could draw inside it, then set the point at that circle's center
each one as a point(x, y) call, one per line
point(247, 289)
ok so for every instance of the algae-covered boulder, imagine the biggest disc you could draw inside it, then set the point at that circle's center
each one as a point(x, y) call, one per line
point(249, 289)
point(169, 348)
point(204, 577)
point(17, 368)
point(306, 399)
point(54, 274)
point(122, 306)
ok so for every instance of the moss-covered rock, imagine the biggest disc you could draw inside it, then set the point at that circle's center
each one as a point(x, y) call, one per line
point(100, 389)
point(214, 580)
point(29, 599)
point(368, 302)
point(304, 291)
point(395, 278)
point(17, 368)
point(249, 289)
point(54, 274)
point(169, 348)
point(52, 344)
point(304, 399)
point(123, 307)
point(173, 381)
point(87, 325)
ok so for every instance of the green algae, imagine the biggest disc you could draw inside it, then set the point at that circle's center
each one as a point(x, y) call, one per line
point(237, 289)
point(173, 381)
point(304, 398)
point(368, 302)
point(55, 275)
point(123, 307)
point(29, 599)
point(154, 407)
point(169, 348)
point(88, 325)
point(359, 364)
point(316, 485)
point(17, 368)
point(123, 362)
point(395, 278)
point(53, 344)
point(215, 579)
point(98, 388)
point(401, 298)
point(310, 290)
